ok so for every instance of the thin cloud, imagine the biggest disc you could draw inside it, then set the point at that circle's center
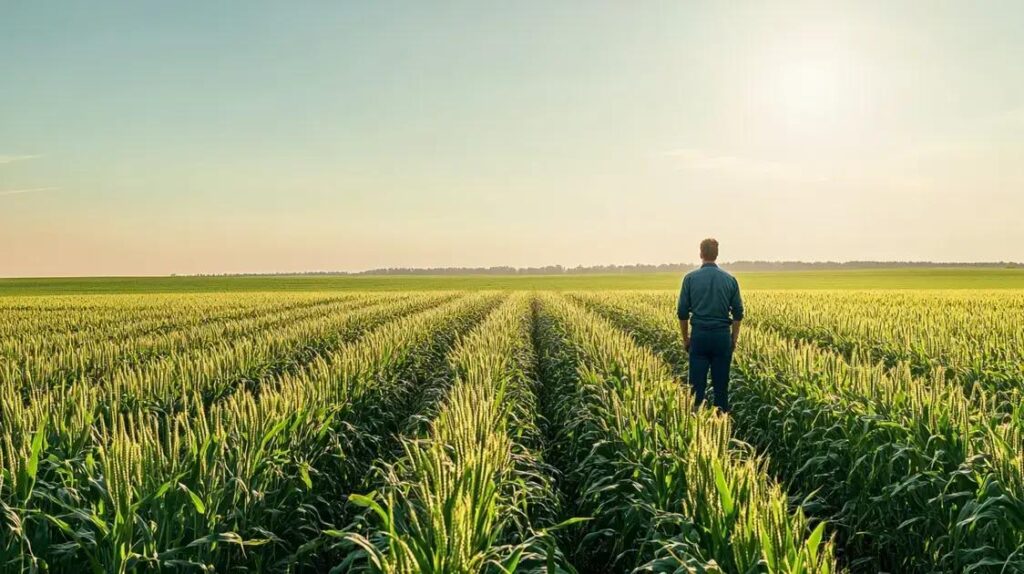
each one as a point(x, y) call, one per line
point(1016, 117)
point(13, 158)
point(697, 160)
point(749, 169)
point(700, 160)
point(1005, 119)
point(27, 190)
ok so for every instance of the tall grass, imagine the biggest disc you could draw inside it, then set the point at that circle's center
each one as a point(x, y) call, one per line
point(240, 481)
point(667, 488)
point(469, 495)
point(973, 337)
point(495, 433)
point(915, 476)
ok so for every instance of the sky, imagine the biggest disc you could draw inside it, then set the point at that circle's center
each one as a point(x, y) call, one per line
point(148, 138)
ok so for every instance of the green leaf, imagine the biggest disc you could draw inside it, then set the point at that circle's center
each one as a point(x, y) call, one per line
point(162, 490)
point(304, 475)
point(64, 526)
point(566, 523)
point(368, 502)
point(32, 466)
point(723, 489)
point(196, 501)
point(815, 541)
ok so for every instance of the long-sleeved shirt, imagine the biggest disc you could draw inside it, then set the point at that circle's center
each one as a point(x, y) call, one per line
point(710, 298)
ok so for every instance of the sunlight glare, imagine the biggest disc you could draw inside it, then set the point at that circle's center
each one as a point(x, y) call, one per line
point(810, 90)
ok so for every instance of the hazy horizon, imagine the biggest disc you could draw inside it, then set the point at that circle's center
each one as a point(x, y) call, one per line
point(623, 268)
point(150, 139)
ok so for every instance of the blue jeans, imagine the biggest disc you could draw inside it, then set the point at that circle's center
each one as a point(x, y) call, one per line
point(711, 350)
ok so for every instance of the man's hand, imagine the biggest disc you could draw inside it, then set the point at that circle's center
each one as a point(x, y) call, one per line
point(686, 344)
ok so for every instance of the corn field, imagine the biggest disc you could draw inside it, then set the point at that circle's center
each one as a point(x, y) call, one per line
point(488, 431)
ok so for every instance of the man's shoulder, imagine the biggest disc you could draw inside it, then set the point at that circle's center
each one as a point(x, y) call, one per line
point(709, 270)
point(717, 269)
point(730, 276)
point(724, 272)
point(692, 274)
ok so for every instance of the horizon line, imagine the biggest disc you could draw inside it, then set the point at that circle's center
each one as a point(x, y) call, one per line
point(793, 265)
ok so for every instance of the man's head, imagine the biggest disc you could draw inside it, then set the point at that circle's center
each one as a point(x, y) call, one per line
point(709, 250)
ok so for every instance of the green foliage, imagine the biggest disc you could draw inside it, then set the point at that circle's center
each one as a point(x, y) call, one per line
point(666, 486)
point(918, 470)
point(234, 480)
point(470, 495)
point(472, 432)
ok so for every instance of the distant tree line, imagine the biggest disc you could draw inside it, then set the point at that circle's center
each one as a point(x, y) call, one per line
point(812, 265)
point(642, 268)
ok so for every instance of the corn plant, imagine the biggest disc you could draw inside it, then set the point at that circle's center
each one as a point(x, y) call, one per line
point(216, 485)
point(465, 497)
point(971, 336)
point(667, 488)
point(889, 458)
point(461, 432)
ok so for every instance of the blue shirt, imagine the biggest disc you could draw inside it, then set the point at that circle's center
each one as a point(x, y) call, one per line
point(710, 298)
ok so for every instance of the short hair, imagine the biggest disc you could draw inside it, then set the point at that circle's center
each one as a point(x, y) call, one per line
point(709, 249)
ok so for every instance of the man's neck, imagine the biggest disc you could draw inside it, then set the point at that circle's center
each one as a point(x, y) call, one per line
point(708, 264)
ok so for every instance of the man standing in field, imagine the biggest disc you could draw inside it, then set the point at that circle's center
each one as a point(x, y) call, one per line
point(710, 299)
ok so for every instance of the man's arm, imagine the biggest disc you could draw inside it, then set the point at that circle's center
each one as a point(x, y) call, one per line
point(736, 305)
point(683, 313)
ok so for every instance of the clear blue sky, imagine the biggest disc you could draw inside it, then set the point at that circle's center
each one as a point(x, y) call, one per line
point(152, 138)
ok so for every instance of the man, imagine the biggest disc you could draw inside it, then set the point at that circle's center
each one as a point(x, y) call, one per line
point(710, 299)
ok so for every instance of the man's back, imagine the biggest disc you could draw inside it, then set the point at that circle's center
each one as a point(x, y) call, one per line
point(710, 298)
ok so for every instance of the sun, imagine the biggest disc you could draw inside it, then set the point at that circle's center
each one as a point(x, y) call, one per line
point(811, 90)
point(809, 84)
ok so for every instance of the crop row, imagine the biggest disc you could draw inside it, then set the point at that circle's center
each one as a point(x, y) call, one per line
point(245, 480)
point(472, 493)
point(165, 382)
point(914, 475)
point(57, 363)
point(666, 487)
point(83, 317)
point(95, 476)
point(135, 332)
point(457, 433)
point(975, 337)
